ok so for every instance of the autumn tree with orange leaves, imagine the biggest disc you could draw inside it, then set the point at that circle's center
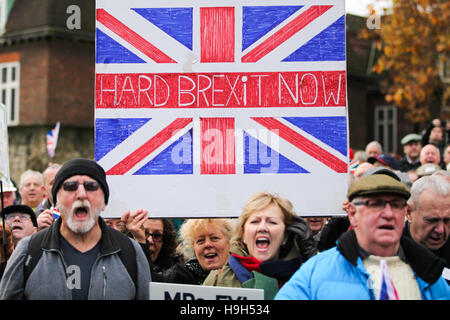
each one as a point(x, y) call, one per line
point(414, 41)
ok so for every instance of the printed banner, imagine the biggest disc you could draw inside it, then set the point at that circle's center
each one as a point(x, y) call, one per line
point(201, 104)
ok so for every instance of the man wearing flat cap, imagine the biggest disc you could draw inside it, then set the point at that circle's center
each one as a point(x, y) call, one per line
point(412, 144)
point(80, 257)
point(372, 261)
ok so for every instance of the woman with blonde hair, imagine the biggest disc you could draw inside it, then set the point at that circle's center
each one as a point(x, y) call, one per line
point(270, 244)
point(205, 247)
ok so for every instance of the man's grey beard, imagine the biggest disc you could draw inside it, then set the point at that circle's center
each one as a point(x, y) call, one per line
point(80, 227)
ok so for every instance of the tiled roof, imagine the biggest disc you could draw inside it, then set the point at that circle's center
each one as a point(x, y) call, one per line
point(32, 19)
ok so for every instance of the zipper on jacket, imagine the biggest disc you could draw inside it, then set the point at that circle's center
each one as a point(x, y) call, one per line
point(104, 282)
point(69, 292)
point(370, 285)
point(95, 267)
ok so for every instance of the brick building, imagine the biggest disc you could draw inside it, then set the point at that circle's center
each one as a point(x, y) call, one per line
point(370, 116)
point(47, 75)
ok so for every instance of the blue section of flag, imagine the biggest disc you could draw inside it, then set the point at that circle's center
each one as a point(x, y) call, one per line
point(176, 22)
point(330, 130)
point(110, 51)
point(52, 140)
point(111, 132)
point(387, 291)
point(175, 159)
point(257, 21)
point(384, 295)
point(260, 158)
point(329, 45)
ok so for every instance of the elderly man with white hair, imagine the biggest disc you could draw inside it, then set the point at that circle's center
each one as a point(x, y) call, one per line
point(430, 154)
point(78, 257)
point(374, 149)
point(428, 216)
point(31, 188)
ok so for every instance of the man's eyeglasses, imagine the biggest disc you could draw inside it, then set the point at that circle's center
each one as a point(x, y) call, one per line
point(379, 204)
point(21, 216)
point(157, 237)
point(73, 185)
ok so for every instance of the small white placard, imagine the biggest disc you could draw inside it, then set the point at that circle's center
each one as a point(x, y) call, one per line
point(446, 273)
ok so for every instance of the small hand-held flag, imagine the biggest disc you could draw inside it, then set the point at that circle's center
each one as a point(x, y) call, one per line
point(388, 291)
point(52, 140)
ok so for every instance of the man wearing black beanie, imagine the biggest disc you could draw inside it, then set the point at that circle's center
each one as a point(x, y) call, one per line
point(96, 257)
point(81, 166)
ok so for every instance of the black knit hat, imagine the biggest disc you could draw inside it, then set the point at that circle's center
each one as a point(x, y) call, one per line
point(21, 208)
point(86, 167)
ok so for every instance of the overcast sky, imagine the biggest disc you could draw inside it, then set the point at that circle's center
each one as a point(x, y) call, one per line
point(359, 7)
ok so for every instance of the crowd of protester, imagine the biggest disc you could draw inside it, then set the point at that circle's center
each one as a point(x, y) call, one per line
point(393, 231)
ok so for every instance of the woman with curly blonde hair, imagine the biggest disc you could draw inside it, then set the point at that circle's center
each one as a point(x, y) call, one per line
point(205, 244)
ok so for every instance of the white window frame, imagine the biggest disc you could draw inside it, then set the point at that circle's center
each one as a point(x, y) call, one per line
point(6, 91)
point(382, 127)
point(444, 69)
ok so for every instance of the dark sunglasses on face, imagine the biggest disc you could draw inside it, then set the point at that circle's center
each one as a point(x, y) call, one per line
point(73, 185)
point(157, 237)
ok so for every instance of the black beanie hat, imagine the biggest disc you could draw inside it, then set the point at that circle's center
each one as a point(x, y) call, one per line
point(15, 208)
point(80, 166)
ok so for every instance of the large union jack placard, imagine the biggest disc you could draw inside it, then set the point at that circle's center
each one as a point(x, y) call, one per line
point(200, 104)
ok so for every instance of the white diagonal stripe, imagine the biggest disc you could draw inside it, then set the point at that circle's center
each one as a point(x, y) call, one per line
point(152, 155)
point(133, 142)
point(285, 148)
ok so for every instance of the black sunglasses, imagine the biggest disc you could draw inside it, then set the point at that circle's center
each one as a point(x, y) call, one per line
point(73, 185)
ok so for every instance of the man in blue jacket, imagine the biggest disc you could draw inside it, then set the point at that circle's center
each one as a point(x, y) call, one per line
point(373, 260)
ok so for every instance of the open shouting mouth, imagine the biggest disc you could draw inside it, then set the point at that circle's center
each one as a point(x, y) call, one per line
point(16, 227)
point(211, 256)
point(81, 210)
point(262, 243)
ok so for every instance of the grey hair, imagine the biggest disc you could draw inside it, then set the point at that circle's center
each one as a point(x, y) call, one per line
point(375, 143)
point(52, 166)
point(30, 173)
point(427, 146)
point(356, 199)
point(442, 173)
point(435, 183)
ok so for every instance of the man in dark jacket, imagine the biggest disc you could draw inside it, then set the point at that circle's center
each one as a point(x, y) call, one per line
point(81, 258)
point(44, 210)
point(428, 216)
point(412, 144)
